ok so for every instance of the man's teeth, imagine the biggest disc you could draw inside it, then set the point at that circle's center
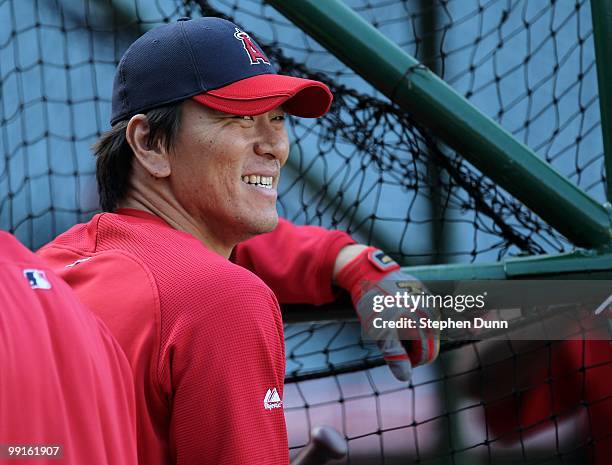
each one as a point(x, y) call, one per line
point(261, 181)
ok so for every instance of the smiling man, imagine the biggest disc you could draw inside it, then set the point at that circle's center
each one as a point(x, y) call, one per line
point(219, 175)
point(188, 171)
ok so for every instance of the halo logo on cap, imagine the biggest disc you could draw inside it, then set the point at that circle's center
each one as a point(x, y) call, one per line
point(256, 56)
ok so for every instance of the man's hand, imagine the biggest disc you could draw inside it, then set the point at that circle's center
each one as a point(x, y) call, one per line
point(369, 275)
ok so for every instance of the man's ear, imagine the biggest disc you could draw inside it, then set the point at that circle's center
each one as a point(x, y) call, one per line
point(154, 159)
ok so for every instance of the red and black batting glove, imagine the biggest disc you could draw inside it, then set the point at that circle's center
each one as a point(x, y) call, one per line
point(372, 276)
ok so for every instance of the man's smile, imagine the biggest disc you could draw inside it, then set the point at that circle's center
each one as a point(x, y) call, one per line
point(259, 180)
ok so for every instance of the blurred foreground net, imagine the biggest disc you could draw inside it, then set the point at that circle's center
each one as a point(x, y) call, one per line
point(369, 168)
point(491, 402)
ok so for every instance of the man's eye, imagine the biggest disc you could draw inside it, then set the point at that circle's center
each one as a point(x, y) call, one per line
point(243, 117)
point(280, 118)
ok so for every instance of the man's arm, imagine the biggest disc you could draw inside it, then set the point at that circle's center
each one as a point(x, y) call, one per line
point(302, 264)
point(346, 255)
point(297, 262)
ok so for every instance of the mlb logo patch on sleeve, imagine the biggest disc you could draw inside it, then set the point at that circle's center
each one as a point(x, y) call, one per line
point(37, 279)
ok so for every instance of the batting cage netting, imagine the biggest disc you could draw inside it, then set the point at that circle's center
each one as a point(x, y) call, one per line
point(368, 168)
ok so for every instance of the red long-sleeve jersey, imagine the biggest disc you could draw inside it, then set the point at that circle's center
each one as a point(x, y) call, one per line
point(297, 262)
point(64, 379)
point(204, 336)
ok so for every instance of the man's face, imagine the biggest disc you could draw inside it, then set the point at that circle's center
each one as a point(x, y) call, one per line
point(225, 170)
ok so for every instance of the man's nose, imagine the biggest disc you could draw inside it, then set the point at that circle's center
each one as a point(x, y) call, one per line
point(273, 143)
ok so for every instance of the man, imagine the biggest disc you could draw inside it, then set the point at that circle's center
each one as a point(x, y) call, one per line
point(189, 170)
point(66, 394)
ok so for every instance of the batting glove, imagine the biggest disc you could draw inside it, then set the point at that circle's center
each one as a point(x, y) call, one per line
point(373, 273)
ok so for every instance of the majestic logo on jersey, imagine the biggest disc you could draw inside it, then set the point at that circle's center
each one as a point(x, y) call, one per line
point(37, 279)
point(256, 56)
point(272, 399)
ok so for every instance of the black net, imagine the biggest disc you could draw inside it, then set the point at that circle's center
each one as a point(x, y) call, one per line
point(369, 168)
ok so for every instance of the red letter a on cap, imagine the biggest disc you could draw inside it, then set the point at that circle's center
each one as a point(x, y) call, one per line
point(255, 55)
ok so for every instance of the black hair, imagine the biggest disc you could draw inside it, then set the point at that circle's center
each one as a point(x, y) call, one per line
point(114, 155)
